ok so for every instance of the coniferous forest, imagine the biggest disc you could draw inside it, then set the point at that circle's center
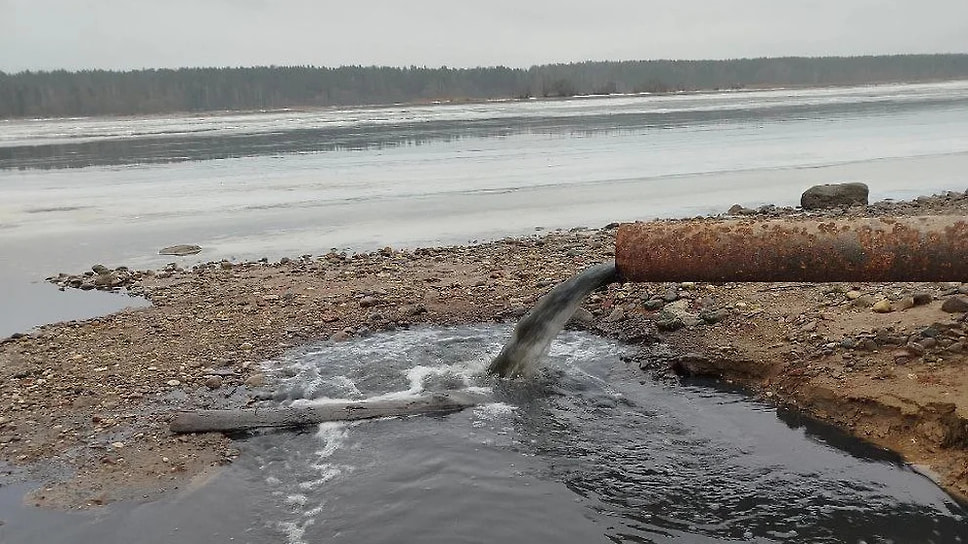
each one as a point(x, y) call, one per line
point(101, 92)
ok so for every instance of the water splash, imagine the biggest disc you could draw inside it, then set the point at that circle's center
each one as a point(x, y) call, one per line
point(538, 328)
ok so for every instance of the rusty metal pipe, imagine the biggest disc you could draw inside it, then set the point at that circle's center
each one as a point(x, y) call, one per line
point(930, 248)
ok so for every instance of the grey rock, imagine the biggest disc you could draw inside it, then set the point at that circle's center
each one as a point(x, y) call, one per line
point(920, 299)
point(583, 317)
point(105, 280)
point(834, 195)
point(669, 324)
point(340, 336)
point(766, 209)
point(714, 316)
point(617, 314)
point(653, 304)
point(955, 305)
point(256, 380)
point(100, 269)
point(180, 250)
point(410, 310)
point(678, 311)
point(368, 301)
point(737, 209)
point(213, 382)
point(916, 347)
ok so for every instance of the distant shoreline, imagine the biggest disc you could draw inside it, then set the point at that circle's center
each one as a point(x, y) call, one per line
point(61, 93)
point(473, 101)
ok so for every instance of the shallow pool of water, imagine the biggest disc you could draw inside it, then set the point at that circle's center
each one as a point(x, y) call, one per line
point(591, 450)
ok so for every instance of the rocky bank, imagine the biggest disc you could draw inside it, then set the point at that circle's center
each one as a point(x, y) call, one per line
point(84, 405)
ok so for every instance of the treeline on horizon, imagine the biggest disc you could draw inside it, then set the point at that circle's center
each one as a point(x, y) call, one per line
point(62, 93)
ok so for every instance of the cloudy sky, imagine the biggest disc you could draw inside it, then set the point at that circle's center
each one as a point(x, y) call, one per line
point(125, 34)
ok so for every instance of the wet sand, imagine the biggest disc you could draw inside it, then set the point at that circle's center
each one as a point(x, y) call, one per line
point(84, 405)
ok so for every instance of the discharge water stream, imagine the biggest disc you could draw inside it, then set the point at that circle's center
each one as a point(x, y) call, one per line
point(589, 449)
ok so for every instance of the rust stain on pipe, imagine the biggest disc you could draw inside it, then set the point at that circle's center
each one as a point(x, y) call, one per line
point(930, 248)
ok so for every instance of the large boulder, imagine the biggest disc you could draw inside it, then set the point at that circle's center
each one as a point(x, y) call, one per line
point(834, 195)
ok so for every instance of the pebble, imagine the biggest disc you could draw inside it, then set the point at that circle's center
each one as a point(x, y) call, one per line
point(904, 303)
point(617, 314)
point(882, 306)
point(853, 295)
point(213, 382)
point(256, 380)
point(670, 295)
point(582, 316)
point(340, 336)
point(714, 316)
point(368, 301)
point(902, 356)
point(173, 383)
point(956, 304)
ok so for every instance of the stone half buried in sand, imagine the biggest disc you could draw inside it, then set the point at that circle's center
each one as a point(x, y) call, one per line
point(180, 250)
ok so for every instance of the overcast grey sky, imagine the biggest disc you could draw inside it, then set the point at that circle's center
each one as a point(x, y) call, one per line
point(124, 34)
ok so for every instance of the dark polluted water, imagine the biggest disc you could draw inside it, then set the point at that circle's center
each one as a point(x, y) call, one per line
point(588, 450)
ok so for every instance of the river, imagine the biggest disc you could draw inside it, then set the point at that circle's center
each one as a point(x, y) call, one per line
point(590, 450)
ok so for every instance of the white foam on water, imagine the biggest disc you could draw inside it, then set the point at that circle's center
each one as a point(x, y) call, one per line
point(331, 436)
point(327, 475)
point(295, 531)
point(299, 500)
point(494, 410)
point(464, 373)
point(345, 383)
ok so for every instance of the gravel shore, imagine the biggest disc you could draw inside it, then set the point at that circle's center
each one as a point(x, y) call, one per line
point(84, 405)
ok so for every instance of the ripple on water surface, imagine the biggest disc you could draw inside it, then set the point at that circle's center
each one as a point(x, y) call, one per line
point(588, 451)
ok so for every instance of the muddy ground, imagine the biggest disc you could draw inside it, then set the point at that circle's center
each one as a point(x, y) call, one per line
point(84, 405)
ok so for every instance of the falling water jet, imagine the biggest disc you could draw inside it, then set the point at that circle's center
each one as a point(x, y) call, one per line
point(931, 248)
point(534, 333)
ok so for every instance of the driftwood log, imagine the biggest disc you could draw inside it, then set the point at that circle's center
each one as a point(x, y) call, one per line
point(200, 421)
